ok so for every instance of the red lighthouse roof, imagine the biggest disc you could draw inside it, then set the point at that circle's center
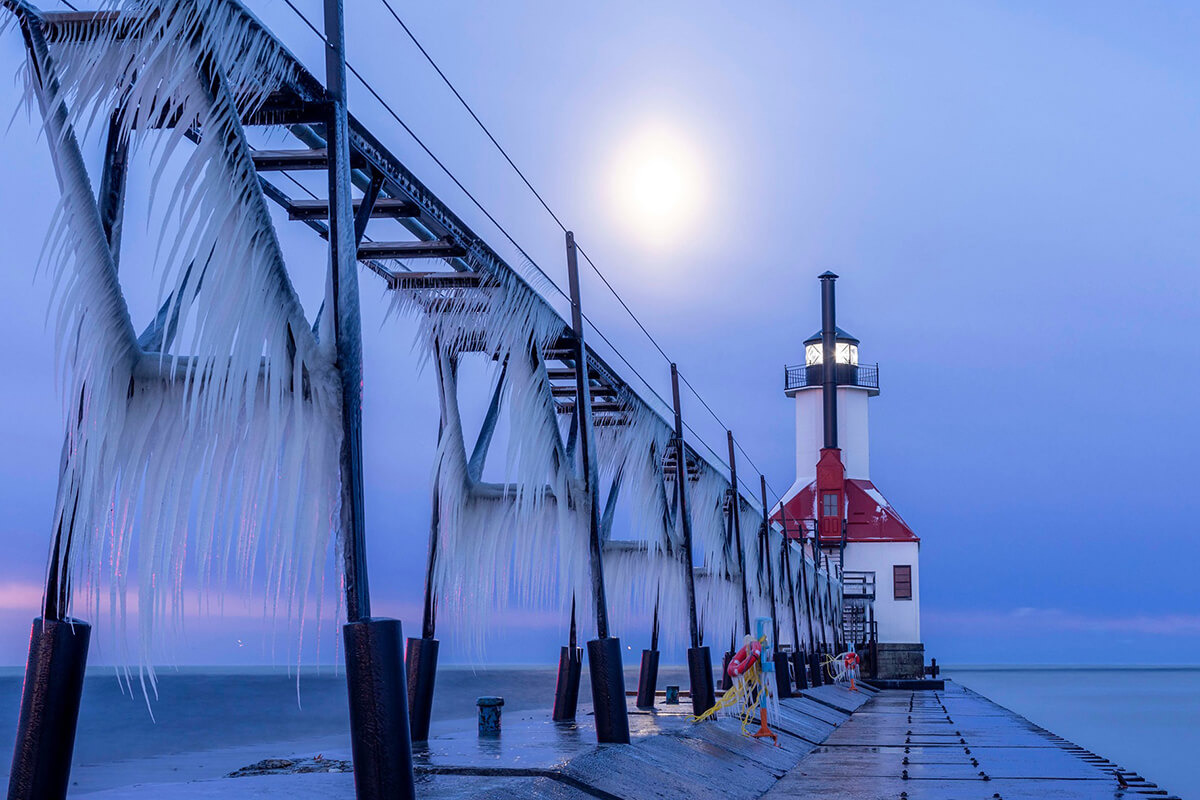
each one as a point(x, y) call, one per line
point(871, 517)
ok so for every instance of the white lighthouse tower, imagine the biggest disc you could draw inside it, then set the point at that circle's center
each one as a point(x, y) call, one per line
point(834, 505)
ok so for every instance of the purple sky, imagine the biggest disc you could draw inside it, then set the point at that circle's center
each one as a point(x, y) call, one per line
point(1008, 190)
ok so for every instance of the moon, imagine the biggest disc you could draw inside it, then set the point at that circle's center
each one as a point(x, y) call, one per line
point(659, 184)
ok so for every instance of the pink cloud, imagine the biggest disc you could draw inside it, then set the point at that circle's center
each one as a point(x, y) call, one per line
point(1051, 620)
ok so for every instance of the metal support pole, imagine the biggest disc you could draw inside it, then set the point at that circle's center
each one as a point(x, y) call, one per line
point(829, 601)
point(807, 591)
point(735, 508)
point(799, 664)
point(765, 549)
point(782, 671)
point(700, 674)
point(420, 657)
point(112, 185)
point(604, 652)
point(57, 661)
point(380, 736)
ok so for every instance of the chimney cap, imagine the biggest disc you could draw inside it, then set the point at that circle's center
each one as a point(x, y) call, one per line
point(827, 275)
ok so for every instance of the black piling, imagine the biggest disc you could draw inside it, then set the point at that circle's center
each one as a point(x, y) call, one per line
point(608, 690)
point(570, 668)
point(379, 728)
point(420, 661)
point(726, 681)
point(700, 674)
point(815, 666)
point(41, 766)
point(800, 668)
point(783, 678)
point(647, 679)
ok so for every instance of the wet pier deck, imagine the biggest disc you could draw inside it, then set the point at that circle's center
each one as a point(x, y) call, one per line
point(951, 744)
point(939, 745)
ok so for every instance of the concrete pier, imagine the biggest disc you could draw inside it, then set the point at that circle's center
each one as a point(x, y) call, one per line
point(930, 744)
point(939, 745)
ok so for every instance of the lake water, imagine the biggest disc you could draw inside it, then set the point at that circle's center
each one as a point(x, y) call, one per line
point(1144, 719)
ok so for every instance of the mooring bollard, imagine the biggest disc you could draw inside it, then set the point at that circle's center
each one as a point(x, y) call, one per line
point(672, 696)
point(489, 715)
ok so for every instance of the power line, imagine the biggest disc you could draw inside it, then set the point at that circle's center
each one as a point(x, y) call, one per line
point(474, 116)
point(500, 148)
point(366, 84)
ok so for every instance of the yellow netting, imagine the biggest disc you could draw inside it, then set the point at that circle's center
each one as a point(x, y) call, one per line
point(743, 699)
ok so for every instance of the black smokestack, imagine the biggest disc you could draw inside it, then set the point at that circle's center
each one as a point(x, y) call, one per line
point(829, 358)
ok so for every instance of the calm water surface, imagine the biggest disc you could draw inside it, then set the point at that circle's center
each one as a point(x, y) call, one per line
point(1142, 718)
point(1145, 719)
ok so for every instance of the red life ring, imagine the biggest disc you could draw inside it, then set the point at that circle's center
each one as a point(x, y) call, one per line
point(744, 659)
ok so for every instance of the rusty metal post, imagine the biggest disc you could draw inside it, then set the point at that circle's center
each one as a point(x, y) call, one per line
point(380, 735)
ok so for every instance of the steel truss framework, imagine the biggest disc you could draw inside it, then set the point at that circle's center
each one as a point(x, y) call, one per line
point(580, 388)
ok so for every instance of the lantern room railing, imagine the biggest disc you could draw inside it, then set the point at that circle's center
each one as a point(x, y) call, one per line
point(801, 376)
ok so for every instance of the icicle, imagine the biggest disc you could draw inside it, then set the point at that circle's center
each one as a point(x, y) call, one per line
point(227, 445)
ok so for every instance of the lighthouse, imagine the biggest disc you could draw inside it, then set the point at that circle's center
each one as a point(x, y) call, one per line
point(836, 512)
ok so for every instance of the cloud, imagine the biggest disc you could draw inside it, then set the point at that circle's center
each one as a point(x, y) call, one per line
point(18, 596)
point(1053, 620)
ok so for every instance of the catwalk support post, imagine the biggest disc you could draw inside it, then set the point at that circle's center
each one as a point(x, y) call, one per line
point(604, 652)
point(421, 655)
point(782, 664)
point(380, 736)
point(797, 651)
point(734, 512)
point(58, 645)
point(700, 675)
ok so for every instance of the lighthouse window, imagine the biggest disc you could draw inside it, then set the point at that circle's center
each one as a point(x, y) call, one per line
point(845, 352)
point(829, 505)
point(902, 582)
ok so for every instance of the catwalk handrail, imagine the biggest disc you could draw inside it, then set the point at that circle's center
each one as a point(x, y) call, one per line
point(301, 105)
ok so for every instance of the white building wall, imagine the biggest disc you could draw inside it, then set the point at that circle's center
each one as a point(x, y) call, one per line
point(899, 620)
point(852, 433)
